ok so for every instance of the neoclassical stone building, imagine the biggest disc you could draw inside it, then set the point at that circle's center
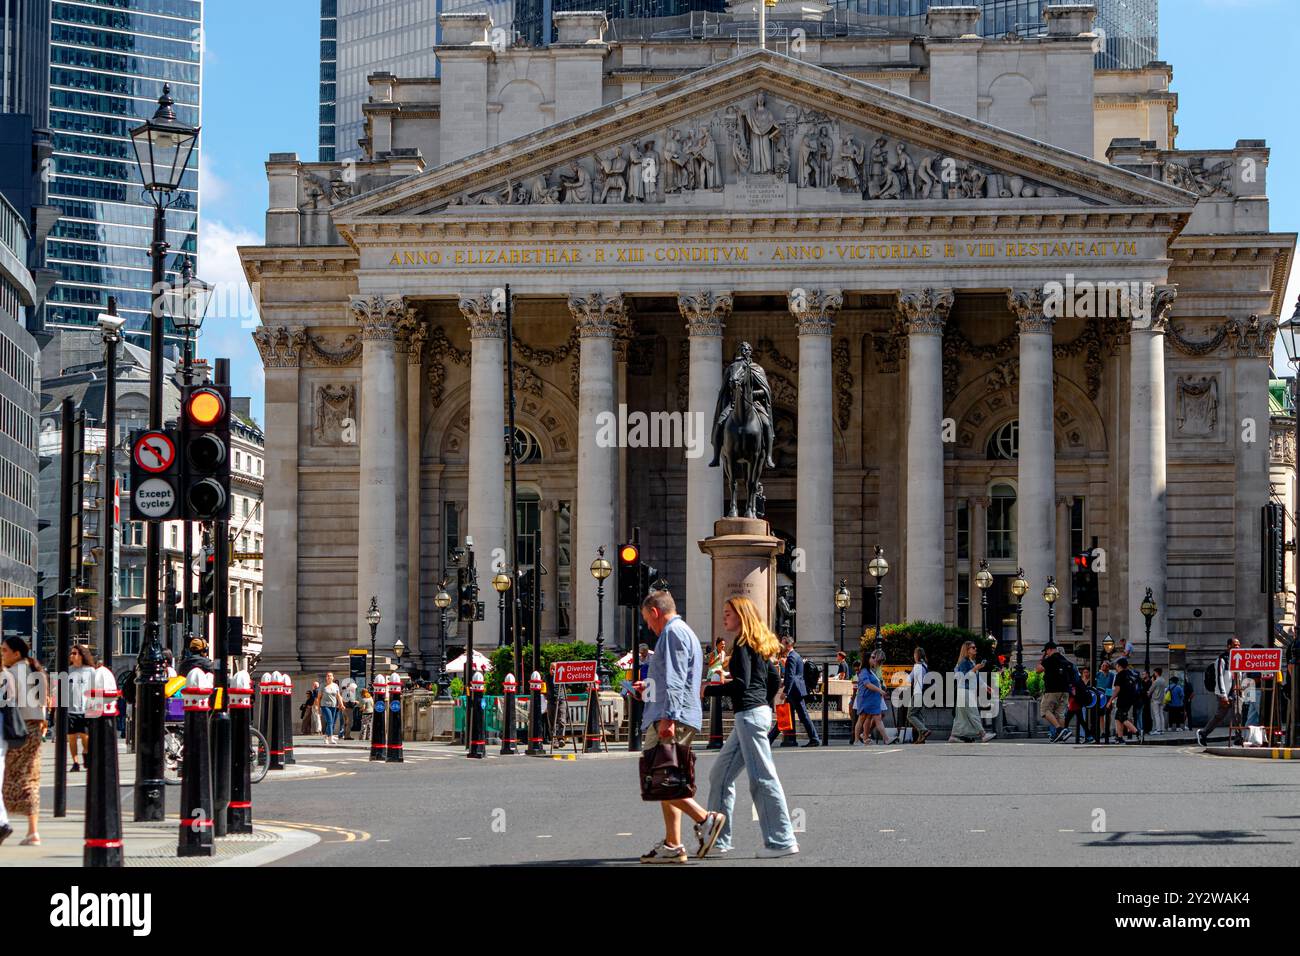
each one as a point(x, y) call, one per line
point(1001, 313)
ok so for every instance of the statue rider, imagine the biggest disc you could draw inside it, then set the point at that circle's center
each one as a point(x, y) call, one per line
point(762, 392)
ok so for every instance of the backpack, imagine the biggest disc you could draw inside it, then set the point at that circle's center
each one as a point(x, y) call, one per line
point(812, 675)
point(1211, 675)
point(1175, 695)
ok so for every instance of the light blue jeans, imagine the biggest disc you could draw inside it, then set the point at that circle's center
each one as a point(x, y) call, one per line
point(748, 749)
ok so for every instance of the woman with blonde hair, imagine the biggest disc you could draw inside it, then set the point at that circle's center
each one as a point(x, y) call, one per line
point(751, 684)
point(966, 724)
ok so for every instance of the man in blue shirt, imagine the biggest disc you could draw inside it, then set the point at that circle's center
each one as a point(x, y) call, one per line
point(671, 691)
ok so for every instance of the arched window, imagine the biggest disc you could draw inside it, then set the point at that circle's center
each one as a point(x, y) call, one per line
point(525, 446)
point(1004, 444)
point(1001, 537)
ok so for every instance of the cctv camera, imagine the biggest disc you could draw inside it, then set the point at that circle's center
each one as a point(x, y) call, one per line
point(111, 323)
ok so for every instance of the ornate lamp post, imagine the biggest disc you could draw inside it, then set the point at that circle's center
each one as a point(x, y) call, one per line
point(1019, 679)
point(842, 601)
point(1289, 333)
point(600, 570)
point(162, 150)
point(442, 601)
point(373, 618)
point(878, 567)
point(1050, 594)
point(501, 583)
point(398, 650)
point(1107, 646)
point(110, 324)
point(984, 581)
point(1148, 608)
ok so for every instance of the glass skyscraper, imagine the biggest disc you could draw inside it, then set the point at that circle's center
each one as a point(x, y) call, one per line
point(107, 68)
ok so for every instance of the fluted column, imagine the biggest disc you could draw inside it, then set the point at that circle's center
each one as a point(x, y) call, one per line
point(706, 314)
point(599, 317)
point(380, 477)
point(1147, 548)
point(487, 455)
point(814, 312)
point(414, 500)
point(924, 311)
point(1036, 465)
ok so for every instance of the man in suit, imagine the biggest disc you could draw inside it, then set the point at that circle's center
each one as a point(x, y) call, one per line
point(795, 690)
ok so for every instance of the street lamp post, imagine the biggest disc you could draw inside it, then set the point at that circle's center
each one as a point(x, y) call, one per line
point(163, 146)
point(842, 601)
point(1289, 332)
point(373, 618)
point(1107, 646)
point(1050, 594)
point(1019, 679)
point(600, 570)
point(398, 650)
point(442, 600)
point(984, 581)
point(878, 567)
point(111, 324)
point(1149, 609)
point(501, 584)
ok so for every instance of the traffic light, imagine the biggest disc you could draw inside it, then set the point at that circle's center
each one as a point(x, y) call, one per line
point(208, 582)
point(205, 457)
point(630, 584)
point(1085, 580)
point(468, 606)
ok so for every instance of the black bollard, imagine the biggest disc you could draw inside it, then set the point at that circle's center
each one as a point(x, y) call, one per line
point(275, 720)
point(715, 715)
point(394, 749)
point(196, 769)
point(509, 743)
point(635, 709)
point(475, 718)
point(379, 722)
point(264, 709)
point(103, 833)
point(593, 738)
point(286, 728)
point(535, 748)
point(239, 817)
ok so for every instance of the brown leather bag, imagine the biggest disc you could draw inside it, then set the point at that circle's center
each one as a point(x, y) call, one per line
point(668, 772)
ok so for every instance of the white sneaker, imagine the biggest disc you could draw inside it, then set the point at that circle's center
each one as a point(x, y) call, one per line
point(987, 737)
point(707, 832)
point(665, 854)
point(769, 853)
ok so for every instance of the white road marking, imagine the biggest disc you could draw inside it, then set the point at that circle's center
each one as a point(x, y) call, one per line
point(978, 831)
point(1065, 831)
point(464, 838)
point(622, 834)
point(886, 831)
point(543, 836)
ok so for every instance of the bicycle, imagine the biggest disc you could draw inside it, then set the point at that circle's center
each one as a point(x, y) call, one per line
point(259, 758)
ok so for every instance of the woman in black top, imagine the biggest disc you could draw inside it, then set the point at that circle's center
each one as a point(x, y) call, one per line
point(752, 684)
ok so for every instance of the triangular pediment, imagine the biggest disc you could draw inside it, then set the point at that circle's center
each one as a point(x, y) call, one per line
point(764, 132)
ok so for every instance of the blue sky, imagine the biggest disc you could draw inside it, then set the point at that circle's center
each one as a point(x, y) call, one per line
point(1233, 61)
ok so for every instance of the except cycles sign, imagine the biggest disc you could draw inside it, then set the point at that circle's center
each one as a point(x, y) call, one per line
point(155, 498)
point(1255, 660)
point(573, 672)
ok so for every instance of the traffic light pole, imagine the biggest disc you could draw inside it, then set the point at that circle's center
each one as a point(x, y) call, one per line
point(222, 731)
point(151, 668)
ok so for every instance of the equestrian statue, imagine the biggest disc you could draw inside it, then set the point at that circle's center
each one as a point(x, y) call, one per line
point(743, 431)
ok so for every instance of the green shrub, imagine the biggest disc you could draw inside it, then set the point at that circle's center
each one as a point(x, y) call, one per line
point(456, 687)
point(939, 641)
point(1033, 682)
point(503, 662)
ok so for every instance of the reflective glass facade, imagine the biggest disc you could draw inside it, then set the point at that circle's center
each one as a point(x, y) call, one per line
point(108, 62)
point(24, 35)
point(328, 74)
point(1130, 27)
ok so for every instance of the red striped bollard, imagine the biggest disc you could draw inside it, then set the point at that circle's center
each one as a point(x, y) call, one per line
point(535, 741)
point(103, 832)
point(196, 781)
point(379, 722)
point(395, 753)
point(476, 718)
point(275, 740)
point(715, 715)
point(592, 737)
point(286, 719)
point(239, 816)
point(509, 742)
point(264, 708)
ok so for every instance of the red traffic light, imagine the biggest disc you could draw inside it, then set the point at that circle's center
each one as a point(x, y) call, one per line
point(629, 554)
point(205, 407)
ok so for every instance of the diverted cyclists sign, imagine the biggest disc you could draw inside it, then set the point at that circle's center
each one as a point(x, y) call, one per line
point(573, 672)
point(1255, 660)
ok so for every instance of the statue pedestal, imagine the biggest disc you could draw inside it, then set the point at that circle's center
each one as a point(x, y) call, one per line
point(743, 551)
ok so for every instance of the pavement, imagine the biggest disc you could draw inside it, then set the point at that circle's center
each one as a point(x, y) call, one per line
point(1001, 803)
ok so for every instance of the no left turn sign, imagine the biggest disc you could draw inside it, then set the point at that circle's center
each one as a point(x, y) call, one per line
point(154, 452)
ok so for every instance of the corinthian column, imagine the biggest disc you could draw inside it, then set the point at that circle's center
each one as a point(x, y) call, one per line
point(705, 313)
point(1036, 466)
point(924, 311)
point(814, 312)
point(419, 333)
point(1147, 548)
point(487, 415)
point(377, 560)
point(599, 317)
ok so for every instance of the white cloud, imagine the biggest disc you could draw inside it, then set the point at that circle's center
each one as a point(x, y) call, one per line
point(212, 188)
point(227, 330)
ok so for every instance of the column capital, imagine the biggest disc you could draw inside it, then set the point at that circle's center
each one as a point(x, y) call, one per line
point(281, 345)
point(416, 338)
point(1029, 307)
point(814, 309)
point(1158, 306)
point(1252, 336)
point(599, 315)
point(705, 311)
point(925, 311)
point(484, 321)
point(378, 315)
